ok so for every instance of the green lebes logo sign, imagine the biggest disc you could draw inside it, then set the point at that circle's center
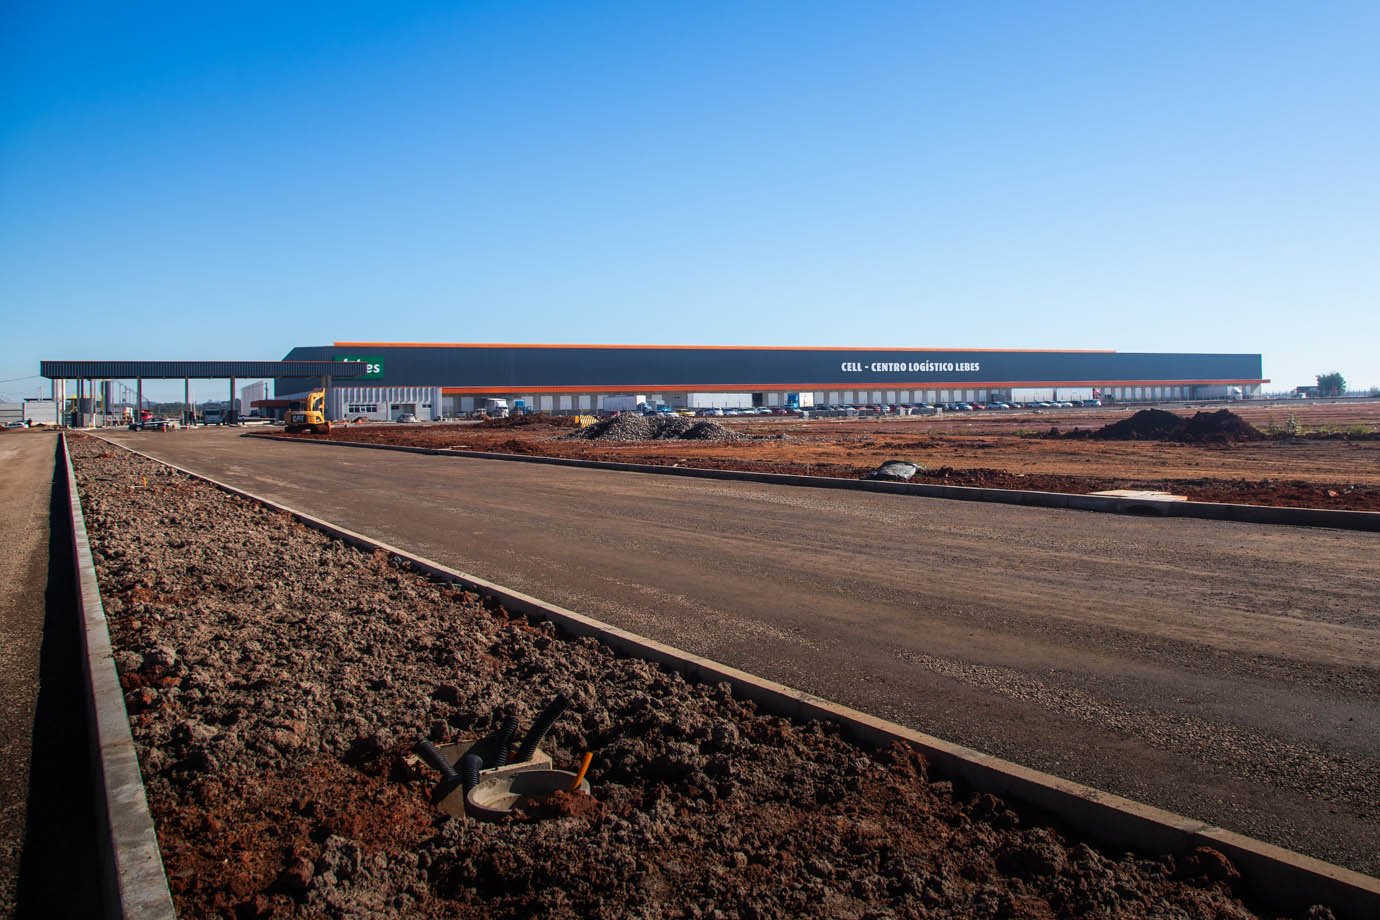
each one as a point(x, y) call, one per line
point(373, 366)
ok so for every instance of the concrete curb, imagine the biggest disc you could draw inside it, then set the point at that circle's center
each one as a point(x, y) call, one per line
point(133, 878)
point(1213, 511)
point(1271, 876)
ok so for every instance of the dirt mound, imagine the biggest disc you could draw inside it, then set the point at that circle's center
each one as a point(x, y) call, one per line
point(530, 421)
point(1158, 425)
point(1145, 425)
point(1222, 425)
point(629, 427)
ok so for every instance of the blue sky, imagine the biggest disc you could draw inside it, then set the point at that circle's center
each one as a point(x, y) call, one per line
point(187, 180)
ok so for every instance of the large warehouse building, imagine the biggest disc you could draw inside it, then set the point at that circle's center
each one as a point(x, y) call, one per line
point(435, 380)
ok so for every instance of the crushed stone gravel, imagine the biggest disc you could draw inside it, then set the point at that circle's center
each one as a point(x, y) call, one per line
point(630, 426)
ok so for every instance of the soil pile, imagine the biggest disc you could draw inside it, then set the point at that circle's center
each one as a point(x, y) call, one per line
point(530, 421)
point(275, 680)
point(1222, 425)
point(1145, 425)
point(1158, 425)
point(633, 427)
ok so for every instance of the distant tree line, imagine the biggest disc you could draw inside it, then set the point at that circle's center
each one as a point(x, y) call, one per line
point(1333, 384)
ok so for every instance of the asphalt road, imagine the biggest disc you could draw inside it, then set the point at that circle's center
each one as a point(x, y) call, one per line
point(1229, 672)
point(48, 832)
point(26, 477)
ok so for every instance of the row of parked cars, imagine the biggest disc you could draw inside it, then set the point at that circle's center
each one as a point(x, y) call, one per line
point(709, 412)
point(749, 410)
point(932, 408)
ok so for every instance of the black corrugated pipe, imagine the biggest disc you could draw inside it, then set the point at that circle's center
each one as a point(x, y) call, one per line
point(504, 741)
point(428, 752)
point(449, 778)
point(545, 720)
point(470, 766)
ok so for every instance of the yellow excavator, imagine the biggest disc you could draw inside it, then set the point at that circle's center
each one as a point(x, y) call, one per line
point(313, 418)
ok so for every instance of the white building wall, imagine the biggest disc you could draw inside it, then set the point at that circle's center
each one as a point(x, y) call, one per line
point(383, 404)
point(41, 411)
point(251, 393)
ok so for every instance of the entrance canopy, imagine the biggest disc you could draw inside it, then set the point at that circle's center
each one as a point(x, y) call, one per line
point(196, 370)
point(87, 373)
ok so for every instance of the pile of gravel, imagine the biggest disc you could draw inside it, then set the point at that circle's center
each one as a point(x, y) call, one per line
point(632, 427)
point(895, 471)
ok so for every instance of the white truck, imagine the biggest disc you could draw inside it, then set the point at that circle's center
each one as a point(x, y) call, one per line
point(622, 403)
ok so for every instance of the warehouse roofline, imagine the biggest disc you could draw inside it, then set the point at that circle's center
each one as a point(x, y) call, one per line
point(529, 345)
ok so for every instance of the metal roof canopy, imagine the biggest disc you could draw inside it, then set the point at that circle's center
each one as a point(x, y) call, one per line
point(198, 370)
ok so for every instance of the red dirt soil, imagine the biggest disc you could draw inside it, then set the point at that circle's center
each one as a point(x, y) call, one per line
point(1314, 455)
point(275, 679)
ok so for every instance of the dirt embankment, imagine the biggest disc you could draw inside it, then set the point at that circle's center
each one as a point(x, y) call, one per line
point(1216, 458)
point(275, 679)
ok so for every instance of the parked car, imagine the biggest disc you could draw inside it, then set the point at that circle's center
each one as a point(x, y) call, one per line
point(406, 418)
point(159, 424)
point(18, 423)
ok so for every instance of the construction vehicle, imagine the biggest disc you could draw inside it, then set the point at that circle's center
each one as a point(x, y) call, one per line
point(312, 418)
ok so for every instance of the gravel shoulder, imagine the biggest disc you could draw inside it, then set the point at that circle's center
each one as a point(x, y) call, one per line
point(275, 680)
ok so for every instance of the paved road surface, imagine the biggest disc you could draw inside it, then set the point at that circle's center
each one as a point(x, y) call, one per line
point(48, 857)
point(1226, 671)
point(26, 477)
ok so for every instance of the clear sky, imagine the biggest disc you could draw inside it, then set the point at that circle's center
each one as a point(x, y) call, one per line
point(198, 180)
